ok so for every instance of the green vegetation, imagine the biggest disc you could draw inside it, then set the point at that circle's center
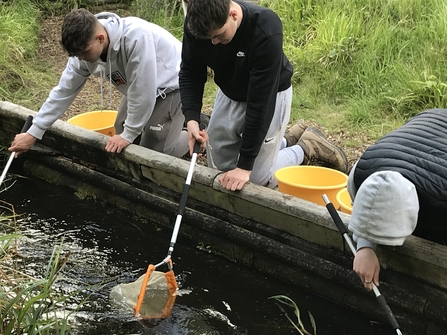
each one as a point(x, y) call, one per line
point(27, 305)
point(298, 325)
point(363, 66)
point(23, 78)
point(367, 64)
point(165, 13)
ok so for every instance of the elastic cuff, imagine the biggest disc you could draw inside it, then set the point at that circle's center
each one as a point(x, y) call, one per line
point(36, 132)
point(191, 115)
point(129, 135)
point(246, 163)
point(364, 243)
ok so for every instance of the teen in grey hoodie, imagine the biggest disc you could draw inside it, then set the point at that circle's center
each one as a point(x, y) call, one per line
point(140, 59)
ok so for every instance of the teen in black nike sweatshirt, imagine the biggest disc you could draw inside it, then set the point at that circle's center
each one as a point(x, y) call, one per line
point(242, 43)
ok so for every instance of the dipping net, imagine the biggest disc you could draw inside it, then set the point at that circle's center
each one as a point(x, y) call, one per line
point(152, 295)
point(159, 293)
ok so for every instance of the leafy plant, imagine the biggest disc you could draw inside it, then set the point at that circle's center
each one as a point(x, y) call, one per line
point(422, 95)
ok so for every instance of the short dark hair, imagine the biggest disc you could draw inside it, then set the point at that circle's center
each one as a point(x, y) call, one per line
point(78, 29)
point(205, 16)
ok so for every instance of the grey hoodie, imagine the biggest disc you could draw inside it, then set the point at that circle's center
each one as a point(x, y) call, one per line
point(143, 61)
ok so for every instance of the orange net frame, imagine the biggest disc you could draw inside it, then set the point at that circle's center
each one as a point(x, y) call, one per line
point(167, 284)
point(151, 296)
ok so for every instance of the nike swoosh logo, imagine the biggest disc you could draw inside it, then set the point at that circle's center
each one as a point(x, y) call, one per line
point(240, 54)
point(269, 140)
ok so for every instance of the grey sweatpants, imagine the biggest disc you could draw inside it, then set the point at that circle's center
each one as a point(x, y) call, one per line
point(225, 135)
point(163, 132)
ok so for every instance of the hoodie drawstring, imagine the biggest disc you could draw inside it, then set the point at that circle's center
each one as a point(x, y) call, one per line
point(162, 92)
point(102, 74)
point(110, 84)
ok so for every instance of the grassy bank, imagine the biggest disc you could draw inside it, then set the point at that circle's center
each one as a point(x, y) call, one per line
point(366, 64)
point(363, 66)
point(23, 77)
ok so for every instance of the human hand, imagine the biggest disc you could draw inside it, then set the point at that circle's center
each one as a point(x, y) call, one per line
point(234, 180)
point(116, 143)
point(22, 143)
point(195, 134)
point(367, 267)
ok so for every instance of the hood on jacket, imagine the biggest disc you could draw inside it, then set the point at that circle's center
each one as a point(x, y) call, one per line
point(112, 23)
point(385, 209)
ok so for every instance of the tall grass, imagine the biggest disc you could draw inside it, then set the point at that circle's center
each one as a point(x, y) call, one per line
point(369, 60)
point(22, 76)
point(166, 13)
point(27, 305)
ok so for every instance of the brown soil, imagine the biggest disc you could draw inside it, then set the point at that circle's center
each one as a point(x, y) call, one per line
point(90, 99)
point(51, 51)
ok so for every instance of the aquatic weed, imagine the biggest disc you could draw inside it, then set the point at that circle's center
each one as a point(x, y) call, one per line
point(299, 326)
point(27, 305)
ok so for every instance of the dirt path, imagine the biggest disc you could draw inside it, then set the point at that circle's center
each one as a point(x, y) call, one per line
point(90, 98)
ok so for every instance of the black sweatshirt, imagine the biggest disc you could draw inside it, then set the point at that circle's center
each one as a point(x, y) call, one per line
point(251, 68)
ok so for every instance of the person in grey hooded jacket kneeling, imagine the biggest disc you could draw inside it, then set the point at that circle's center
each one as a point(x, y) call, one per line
point(141, 60)
point(399, 188)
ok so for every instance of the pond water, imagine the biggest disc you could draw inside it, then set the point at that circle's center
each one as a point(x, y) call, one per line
point(108, 247)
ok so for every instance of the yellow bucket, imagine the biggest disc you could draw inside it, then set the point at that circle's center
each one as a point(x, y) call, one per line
point(311, 182)
point(344, 199)
point(101, 121)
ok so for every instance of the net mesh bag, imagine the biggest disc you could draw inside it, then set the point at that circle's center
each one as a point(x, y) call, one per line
point(159, 294)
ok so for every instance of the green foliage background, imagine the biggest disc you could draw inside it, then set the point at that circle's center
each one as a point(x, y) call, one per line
point(368, 59)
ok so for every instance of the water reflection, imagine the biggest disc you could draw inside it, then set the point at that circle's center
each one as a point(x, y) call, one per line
point(108, 247)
